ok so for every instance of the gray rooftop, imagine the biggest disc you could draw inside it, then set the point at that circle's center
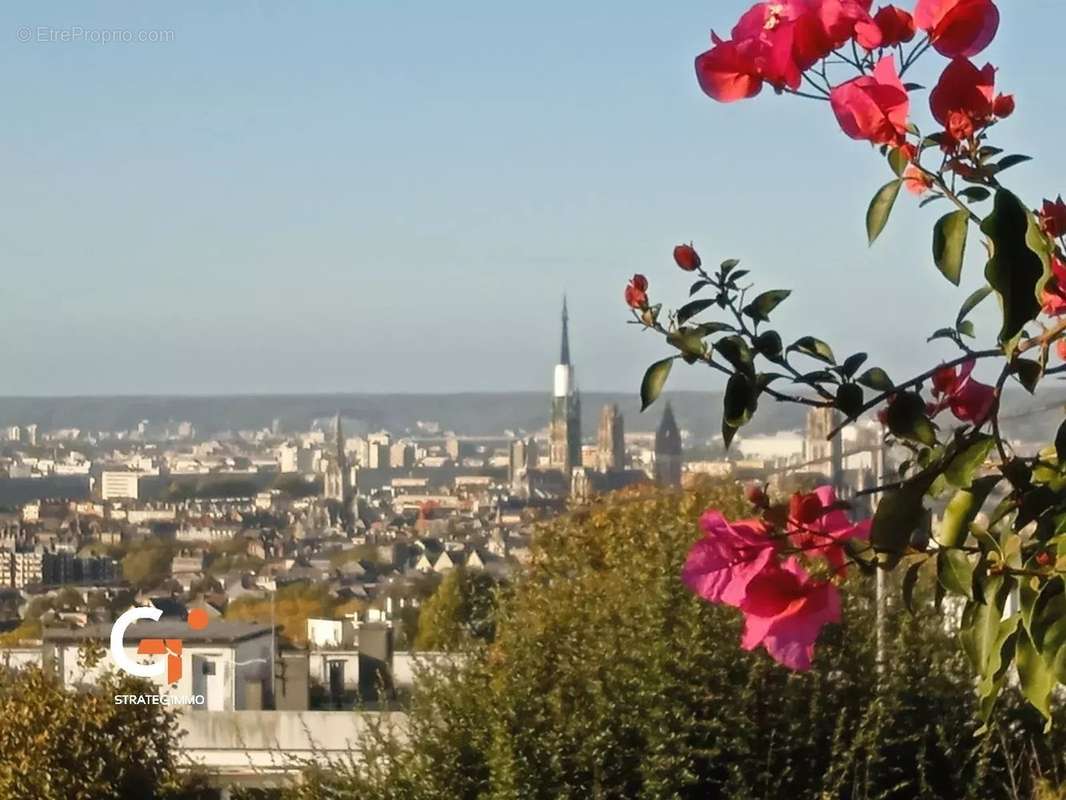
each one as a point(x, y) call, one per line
point(216, 632)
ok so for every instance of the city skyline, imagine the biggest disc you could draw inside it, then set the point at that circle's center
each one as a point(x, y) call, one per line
point(256, 205)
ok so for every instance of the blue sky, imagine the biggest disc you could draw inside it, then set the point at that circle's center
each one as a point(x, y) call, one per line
point(393, 196)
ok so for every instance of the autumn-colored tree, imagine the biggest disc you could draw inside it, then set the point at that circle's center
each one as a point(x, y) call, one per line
point(290, 607)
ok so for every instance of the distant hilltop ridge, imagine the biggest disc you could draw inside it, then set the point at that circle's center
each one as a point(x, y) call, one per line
point(470, 414)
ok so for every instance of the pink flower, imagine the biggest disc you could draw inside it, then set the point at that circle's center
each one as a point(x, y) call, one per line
point(873, 107)
point(964, 98)
point(890, 26)
point(728, 71)
point(968, 399)
point(819, 526)
point(958, 27)
point(730, 556)
point(785, 610)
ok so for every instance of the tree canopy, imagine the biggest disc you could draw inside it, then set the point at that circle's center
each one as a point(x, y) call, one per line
point(607, 678)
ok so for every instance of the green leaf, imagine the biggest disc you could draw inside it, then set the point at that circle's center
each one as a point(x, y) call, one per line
point(654, 381)
point(960, 470)
point(736, 351)
point(815, 348)
point(898, 515)
point(740, 401)
point(689, 310)
point(761, 306)
point(728, 432)
point(769, 344)
point(1035, 676)
point(689, 341)
point(1009, 161)
point(989, 639)
point(955, 572)
point(898, 161)
point(906, 418)
point(880, 208)
point(849, 399)
point(975, 194)
point(971, 302)
point(702, 283)
point(877, 379)
point(1028, 372)
point(707, 328)
point(1060, 443)
point(910, 581)
point(1020, 262)
point(852, 363)
point(728, 265)
point(962, 510)
point(949, 244)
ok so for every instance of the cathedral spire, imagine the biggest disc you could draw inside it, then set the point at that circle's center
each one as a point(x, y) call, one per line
point(564, 353)
point(338, 439)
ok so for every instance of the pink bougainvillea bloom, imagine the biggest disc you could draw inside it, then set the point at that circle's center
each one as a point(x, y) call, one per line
point(1060, 348)
point(890, 26)
point(965, 88)
point(722, 564)
point(873, 107)
point(1053, 300)
point(916, 181)
point(969, 399)
point(964, 99)
point(728, 71)
point(1053, 217)
point(637, 292)
point(819, 526)
point(958, 27)
point(785, 610)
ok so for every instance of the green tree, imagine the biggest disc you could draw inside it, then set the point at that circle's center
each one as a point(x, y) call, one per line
point(463, 606)
point(147, 564)
point(57, 744)
point(608, 679)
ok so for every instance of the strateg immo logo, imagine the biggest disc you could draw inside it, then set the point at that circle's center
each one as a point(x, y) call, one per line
point(169, 648)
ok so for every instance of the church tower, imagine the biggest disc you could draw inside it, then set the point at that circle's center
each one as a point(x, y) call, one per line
point(668, 450)
point(337, 478)
point(565, 431)
point(610, 444)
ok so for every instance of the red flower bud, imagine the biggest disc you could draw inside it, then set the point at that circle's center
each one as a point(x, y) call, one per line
point(756, 495)
point(1003, 106)
point(687, 258)
point(1044, 559)
point(637, 292)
